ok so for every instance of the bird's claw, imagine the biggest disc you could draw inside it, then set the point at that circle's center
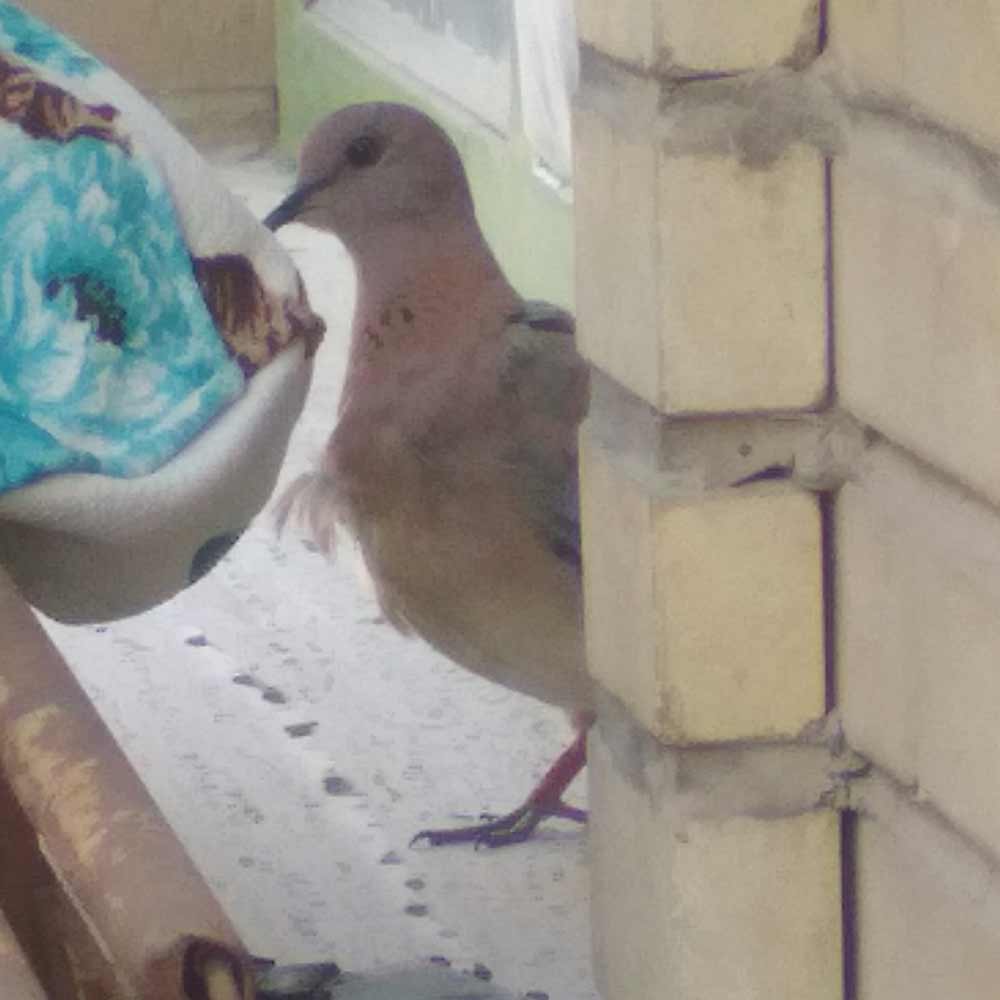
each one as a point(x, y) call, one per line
point(496, 831)
point(501, 831)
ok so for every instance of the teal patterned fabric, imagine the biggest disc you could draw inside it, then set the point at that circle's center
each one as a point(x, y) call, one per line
point(29, 38)
point(109, 360)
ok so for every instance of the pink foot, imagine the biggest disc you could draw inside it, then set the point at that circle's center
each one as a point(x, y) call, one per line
point(519, 825)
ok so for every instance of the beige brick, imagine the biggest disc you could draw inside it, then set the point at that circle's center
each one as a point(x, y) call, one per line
point(706, 284)
point(619, 591)
point(918, 587)
point(704, 35)
point(683, 36)
point(738, 908)
point(615, 213)
point(945, 56)
point(743, 284)
point(920, 935)
point(704, 616)
point(917, 301)
point(739, 594)
point(622, 30)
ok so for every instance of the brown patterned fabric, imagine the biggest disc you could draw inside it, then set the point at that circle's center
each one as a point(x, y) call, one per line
point(254, 325)
point(45, 111)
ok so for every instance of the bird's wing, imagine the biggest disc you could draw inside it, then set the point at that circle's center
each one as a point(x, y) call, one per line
point(543, 385)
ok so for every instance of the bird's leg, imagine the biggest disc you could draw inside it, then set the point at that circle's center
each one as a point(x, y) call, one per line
point(518, 826)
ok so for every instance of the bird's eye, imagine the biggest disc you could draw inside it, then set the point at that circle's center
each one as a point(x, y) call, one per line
point(363, 151)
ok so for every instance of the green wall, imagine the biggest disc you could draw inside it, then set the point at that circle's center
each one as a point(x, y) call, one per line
point(529, 226)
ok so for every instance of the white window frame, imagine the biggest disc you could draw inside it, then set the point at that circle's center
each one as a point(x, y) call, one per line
point(472, 80)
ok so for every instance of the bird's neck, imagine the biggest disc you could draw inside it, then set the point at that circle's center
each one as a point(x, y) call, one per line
point(394, 261)
point(420, 292)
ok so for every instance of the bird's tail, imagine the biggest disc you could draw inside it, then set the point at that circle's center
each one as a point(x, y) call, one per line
point(311, 499)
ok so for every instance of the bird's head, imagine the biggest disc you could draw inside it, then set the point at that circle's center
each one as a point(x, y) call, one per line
point(369, 166)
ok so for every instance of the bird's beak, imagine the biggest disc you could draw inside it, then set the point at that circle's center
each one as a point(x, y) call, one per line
point(285, 212)
point(290, 208)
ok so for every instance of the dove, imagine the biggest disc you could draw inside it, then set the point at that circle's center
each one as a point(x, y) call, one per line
point(453, 461)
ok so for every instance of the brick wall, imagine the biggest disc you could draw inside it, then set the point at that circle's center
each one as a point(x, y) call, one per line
point(788, 245)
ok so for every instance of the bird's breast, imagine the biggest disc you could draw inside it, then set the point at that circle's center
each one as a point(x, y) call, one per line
point(455, 560)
